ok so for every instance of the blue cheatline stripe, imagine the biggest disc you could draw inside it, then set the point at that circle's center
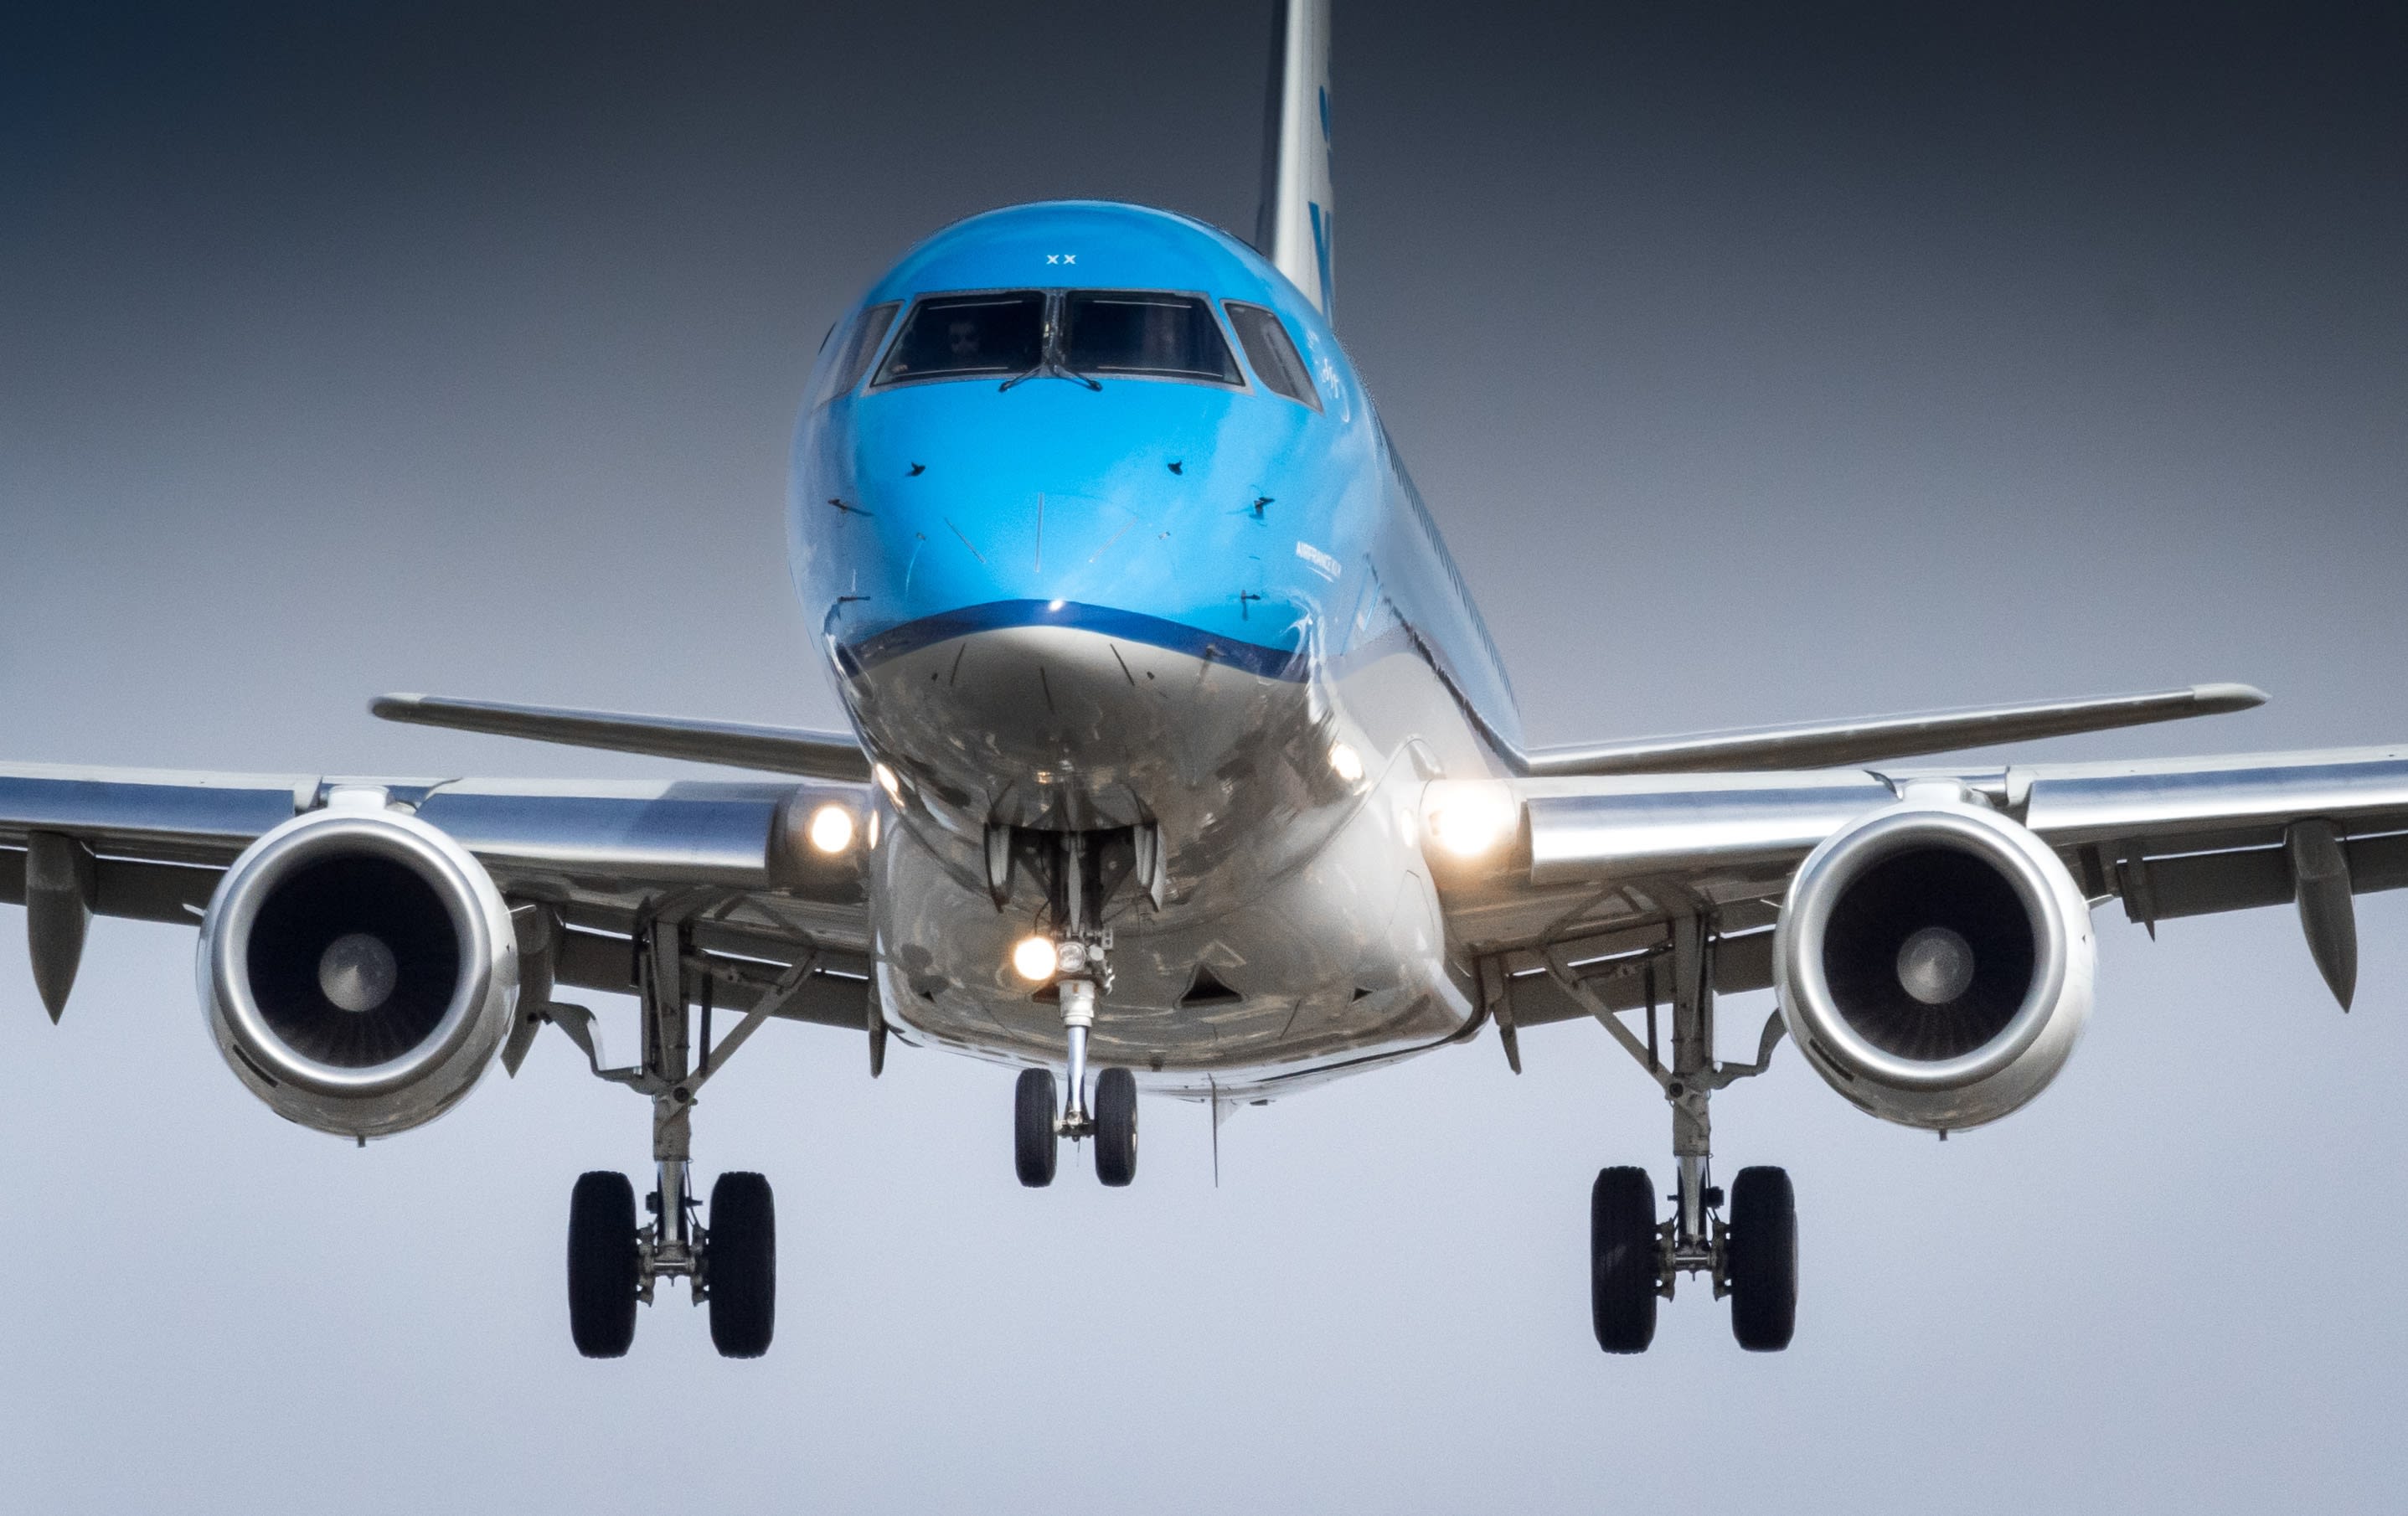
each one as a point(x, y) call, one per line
point(1287, 664)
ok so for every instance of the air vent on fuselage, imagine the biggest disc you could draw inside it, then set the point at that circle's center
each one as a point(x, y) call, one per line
point(1208, 990)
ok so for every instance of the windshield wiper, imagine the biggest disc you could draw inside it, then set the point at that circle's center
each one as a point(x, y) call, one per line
point(1051, 365)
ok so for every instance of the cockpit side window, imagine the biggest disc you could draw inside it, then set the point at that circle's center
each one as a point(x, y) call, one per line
point(1144, 332)
point(859, 346)
point(963, 335)
point(1271, 352)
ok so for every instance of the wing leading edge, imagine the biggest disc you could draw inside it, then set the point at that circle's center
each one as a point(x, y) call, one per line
point(586, 868)
point(1603, 864)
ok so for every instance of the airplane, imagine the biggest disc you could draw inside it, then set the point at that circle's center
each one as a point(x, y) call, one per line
point(1181, 764)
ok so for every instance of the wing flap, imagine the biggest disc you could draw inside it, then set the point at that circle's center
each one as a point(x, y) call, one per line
point(2209, 883)
point(129, 889)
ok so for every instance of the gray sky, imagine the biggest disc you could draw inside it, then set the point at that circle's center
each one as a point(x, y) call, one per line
point(1756, 365)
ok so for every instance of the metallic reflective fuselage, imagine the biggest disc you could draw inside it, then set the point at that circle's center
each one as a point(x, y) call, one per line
point(1154, 602)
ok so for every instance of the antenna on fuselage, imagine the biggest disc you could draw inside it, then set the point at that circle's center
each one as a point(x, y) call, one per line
point(1214, 1085)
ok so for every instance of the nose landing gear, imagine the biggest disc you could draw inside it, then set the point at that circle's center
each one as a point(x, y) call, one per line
point(1039, 1125)
point(1036, 1136)
point(1080, 954)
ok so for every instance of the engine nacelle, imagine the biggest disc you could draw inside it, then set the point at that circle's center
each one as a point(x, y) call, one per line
point(359, 969)
point(1934, 963)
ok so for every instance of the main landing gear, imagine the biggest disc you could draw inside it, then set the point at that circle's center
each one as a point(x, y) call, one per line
point(616, 1264)
point(1750, 1255)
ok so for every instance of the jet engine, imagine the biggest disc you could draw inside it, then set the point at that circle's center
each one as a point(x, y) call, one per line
point(359, 969)
point(1934, 963)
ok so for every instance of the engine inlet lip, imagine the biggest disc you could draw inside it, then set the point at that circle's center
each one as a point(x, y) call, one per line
point(1824, 877)
point(227, 930)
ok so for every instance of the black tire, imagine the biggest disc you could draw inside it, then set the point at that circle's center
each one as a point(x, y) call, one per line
point(602, 1264)
point(1034, 1145)
point(1763, 1258)
point(1116, 1126)
point(742, 1258)
point(1622, 1259)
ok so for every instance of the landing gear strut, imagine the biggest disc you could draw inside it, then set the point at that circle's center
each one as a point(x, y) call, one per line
point(1634, 1260)
point(1081, 951)
point(615, 1264)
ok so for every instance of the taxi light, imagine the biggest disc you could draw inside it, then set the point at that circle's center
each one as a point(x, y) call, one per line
point(831, 829)
point(1346, 763)
point(1471, 820)
point(1035, 958)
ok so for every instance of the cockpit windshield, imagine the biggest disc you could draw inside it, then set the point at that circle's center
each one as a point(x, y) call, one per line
point(1021, 334)
point(966, 336)
point(1139, 331)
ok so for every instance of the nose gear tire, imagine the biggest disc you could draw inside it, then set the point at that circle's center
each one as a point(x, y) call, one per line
point(1116, 1126)
point(1622, 1259)
point(743, 1262)
point(602, 1264)
point(1033, 1146)
point(1763, 1243)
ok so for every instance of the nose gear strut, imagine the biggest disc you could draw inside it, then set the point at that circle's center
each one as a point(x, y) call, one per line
point(1083, 976)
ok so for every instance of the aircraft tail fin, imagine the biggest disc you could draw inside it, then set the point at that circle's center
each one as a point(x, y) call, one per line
point(1293, 227)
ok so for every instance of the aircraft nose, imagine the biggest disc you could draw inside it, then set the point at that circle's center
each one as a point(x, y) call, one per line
point(1029, 545)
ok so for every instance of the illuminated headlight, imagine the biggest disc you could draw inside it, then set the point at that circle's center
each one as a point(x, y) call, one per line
point(1470, 818)
point(831, 829)
point(888, 782)
point(1346, 763)
point(1035, 958)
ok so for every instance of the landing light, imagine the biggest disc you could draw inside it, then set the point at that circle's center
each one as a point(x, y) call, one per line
point(1346, 764)
point(1035, 958)
point(831, 829)
point(1470, 818)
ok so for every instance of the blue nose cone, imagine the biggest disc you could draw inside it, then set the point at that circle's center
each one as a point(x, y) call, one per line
point(1149, 510)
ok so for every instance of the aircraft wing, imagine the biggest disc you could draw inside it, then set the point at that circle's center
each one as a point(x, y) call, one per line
point(585, 869)
point(1600, 869)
